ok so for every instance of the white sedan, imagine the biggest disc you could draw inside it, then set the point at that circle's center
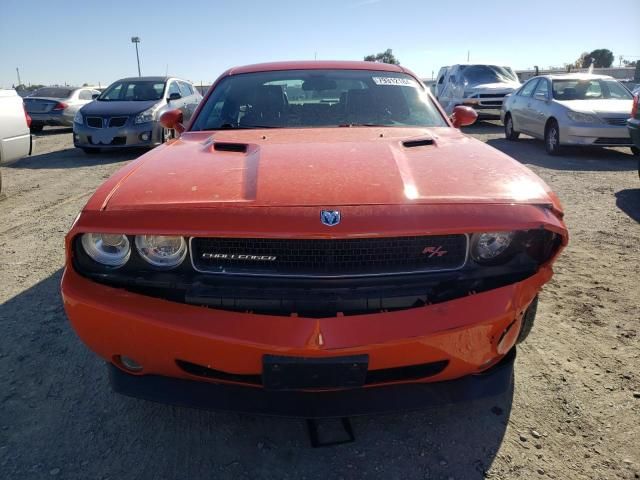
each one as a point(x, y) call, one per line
point(570, 109)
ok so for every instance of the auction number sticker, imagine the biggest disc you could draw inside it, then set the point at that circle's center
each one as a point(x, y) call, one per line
point(394, 81)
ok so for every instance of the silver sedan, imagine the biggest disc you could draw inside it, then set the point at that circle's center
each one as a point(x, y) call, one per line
point(570, 109)
point(56, 106)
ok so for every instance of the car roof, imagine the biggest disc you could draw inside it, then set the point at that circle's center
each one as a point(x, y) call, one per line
point(151, 79)
point(574, 76)
point(316, 65)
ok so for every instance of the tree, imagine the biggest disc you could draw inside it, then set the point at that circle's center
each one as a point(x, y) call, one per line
point(629, 63)
point(602, 58)
point(383, 57)
point(581, 59)
point(636, 75)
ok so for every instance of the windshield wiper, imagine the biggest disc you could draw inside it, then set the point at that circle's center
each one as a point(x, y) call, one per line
point(347, 125)
point(229, 126)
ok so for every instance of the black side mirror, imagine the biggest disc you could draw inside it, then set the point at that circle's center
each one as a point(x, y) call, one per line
point(94, 96)
point(174, 96)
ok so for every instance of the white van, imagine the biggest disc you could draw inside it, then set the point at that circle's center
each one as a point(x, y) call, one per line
point(15, 137)
point(480, 86)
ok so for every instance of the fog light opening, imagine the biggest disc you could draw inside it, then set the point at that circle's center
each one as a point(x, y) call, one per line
point(145, 137)
point(127, 363)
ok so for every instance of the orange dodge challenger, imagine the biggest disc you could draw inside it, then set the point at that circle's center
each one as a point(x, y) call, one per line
point(321, 240)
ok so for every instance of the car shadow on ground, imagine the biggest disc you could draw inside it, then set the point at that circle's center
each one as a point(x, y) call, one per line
point(588, 159)
point(629, 202)
point(59, 413)
point(483, 127)
point(73, 158)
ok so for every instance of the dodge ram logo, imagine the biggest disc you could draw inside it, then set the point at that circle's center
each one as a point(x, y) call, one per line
point(434, 251)
point(330, 217)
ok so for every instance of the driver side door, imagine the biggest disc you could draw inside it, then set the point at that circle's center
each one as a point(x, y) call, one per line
point(538, 111)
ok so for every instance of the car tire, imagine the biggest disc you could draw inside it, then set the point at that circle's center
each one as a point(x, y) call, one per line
point(91, 151)
point(509, 132)
point(552, 138)
point(36, 128)
point(527, 320)
point(635, 151)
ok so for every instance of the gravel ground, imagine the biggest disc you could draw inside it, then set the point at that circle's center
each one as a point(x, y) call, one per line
point(574, 412)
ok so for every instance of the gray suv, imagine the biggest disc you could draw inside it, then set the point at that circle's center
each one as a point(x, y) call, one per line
point(126, 114)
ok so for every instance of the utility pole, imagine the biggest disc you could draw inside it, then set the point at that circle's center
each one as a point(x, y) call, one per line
point(18, 72)
point(136, 40)
point(468, 55)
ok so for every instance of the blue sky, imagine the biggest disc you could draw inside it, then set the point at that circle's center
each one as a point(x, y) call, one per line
point(76, 42)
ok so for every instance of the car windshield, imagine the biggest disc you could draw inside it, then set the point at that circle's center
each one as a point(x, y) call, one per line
point(594, 89)
point(52, 92)
point(133, 91)
point(318, 98)
point(480, 74)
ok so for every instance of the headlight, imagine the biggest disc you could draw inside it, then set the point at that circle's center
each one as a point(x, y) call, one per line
point(162, 251)
point(487, 247)
point(469, 94)
point(582, 117)
point(145, 117)
point(77, 118)
point(111, 249)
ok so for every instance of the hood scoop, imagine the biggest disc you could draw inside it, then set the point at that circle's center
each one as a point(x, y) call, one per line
point(419, 142)
point(230, 147)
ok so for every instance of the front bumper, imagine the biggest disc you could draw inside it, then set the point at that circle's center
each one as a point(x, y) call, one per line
point(471, 334)
point(304, 404)
point(130, 135)
point(597, 135)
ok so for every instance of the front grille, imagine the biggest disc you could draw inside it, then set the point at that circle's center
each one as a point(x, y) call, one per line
point(330, 257)
point(492, 95)
point(117, 121)
point(491, 103)
point(613, 141)
point(621, 122)
point(94, 122)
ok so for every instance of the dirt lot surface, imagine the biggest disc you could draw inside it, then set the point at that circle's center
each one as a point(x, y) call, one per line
point(574, 412)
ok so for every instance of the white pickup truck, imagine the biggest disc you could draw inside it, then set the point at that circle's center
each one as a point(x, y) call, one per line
point(482, 87)
point(15, 137)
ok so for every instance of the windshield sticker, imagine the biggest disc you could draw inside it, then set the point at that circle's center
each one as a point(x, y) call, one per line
point(394, 81)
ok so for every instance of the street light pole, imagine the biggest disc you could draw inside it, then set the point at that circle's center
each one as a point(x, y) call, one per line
point(136, 40)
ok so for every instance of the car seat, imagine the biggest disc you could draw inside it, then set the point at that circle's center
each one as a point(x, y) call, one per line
point(268, 107)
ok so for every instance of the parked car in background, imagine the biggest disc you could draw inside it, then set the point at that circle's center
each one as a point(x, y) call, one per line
point(630, 85)
point(56, 106)
point(15, 137)
point(482, 87)
point(633, 124)
point(126, 113)
point(322, 241)
point(570, 109)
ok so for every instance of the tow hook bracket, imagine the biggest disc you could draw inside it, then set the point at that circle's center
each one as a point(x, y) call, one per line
point(340, 437)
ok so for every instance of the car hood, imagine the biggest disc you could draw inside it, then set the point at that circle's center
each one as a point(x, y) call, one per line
point(599, 107)
point(117, 108)
point(500, 86)
point(321, 167)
